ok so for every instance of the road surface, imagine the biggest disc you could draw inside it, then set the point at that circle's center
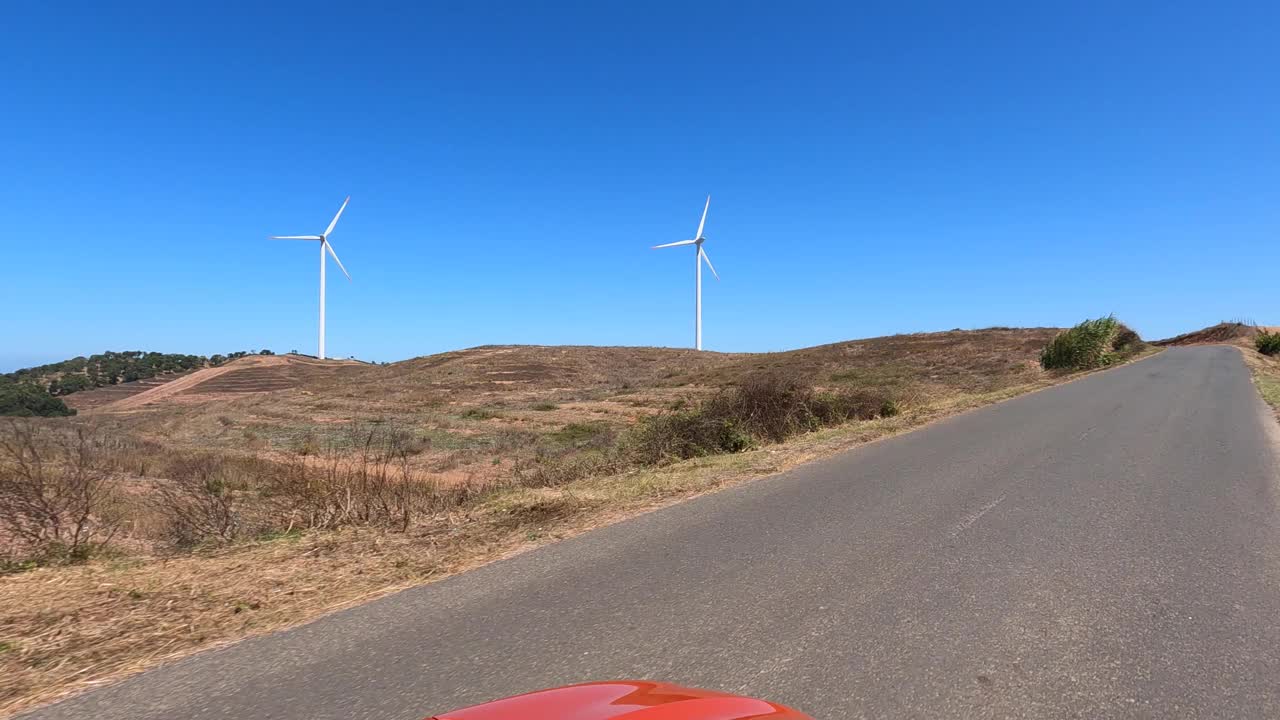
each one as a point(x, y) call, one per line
point(1105, 548)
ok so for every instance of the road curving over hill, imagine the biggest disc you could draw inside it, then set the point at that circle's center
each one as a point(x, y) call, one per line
point(1105, 548)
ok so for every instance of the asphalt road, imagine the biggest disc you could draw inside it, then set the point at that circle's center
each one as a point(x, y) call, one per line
point(1105, 548)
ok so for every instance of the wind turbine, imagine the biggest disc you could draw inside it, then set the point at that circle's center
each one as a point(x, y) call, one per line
point(324, 245)
point(701, 256)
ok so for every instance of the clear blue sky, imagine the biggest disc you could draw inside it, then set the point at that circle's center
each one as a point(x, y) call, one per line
point(874, 168)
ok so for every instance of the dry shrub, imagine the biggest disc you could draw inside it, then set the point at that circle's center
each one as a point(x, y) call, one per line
point(847, 405)
point(768, 406)
point(684, 434)
point(771, 406)
point(553, 470)
point(56, 495)
point(376, 486)
point(199, 501)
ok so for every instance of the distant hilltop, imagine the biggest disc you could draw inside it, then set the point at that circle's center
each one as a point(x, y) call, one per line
point(38, 390)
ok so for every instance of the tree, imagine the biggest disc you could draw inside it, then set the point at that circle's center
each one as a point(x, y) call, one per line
point(68, 384)
point(25, 400)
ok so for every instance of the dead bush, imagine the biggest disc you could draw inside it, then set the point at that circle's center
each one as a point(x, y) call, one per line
point(198, 499)
point(375, 486)
point(848, 405)
point(766, 407)
point(770, 405)
point(682, 435)
point(56, 493)
point(552, 470)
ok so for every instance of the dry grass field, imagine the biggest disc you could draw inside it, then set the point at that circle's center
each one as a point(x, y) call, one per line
point(266, 492)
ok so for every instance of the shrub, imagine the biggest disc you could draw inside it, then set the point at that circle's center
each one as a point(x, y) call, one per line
point(593, 435)
point(56, 493)
point(769, 405)
point(544, 406)
point(198, 501)
point(1268, 343)
point(766, 407)
point(550, 471)
point(375, 487)
point(838, 408)
point(1091, 344)
point(683, 435)
point(23, 399)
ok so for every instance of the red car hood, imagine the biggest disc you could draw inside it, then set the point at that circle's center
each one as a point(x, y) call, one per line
point(624, 700)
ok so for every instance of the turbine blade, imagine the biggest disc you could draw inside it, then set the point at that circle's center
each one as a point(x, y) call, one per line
point(295, 237)
point(674, 244)
point(711, 267)
point(335, 219)
point(329, 245)
point(703, 221)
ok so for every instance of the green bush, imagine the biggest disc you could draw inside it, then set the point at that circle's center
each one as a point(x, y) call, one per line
point(585, 435)
point(683, 435)
point(1267, 343)
point(26, 400)
point(1091, 344)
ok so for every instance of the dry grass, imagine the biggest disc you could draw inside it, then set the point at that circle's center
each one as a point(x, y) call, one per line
point(66, 628)
point(1265, 370)
point(475, 416)
point(1232, 333)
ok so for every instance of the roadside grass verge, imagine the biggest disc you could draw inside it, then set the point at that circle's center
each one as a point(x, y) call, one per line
point(1269, 386)
point(70, 626)
point(1266, 374)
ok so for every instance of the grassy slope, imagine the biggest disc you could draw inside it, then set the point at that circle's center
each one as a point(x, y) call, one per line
point(1266, 372)
point(64, 627)
point(469, 407)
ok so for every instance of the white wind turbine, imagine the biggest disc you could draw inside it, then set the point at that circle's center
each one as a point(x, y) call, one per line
point(323, 238)
point(701, 256)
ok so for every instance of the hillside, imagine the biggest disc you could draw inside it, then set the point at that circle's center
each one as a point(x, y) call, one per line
point(241, 376)
point(87, 400)
point(110, 368)
point(108, 376)
point(1234, 333)
point(269, 490)
point(470, 414)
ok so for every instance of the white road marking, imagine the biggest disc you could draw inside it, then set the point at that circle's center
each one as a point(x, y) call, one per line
point(975, 516)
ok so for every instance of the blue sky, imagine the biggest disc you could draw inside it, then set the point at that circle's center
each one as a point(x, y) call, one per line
point(874, 168)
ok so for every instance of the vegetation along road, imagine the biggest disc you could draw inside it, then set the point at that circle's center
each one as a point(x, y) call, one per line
point(1105, 548)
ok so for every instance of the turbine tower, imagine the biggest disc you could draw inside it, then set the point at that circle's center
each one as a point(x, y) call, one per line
point(323, 238)
point(698, 259)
